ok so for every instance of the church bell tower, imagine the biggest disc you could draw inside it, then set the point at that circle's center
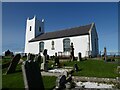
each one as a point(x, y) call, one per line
point(34, 28)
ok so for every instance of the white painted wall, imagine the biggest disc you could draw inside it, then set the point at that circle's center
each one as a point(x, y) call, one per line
point(80, 45)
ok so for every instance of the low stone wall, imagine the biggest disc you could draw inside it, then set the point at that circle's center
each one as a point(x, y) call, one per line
point(95, 79)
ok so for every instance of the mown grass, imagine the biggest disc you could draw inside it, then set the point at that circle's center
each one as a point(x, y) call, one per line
point(95, 68)
point(15, 80)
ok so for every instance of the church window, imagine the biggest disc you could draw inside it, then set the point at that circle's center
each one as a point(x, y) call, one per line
point(41, 46)
point(66, 45)
point(39, 29)
point(52, 45)
point(30, 28)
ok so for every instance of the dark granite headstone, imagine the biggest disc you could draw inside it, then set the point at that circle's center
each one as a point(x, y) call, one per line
point(56, 59)
point(105, 54)
point(76, 67)
point(38, 58)
point(13, 64)
point(32, 75)
point(60, 82)
point(79, 57)
point(72, 58)
point(30, 57)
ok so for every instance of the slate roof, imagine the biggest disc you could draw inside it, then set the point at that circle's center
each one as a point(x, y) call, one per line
point(76, 31)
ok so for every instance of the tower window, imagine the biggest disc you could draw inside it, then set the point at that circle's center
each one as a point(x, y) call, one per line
point(30, 28)
point(39, 29)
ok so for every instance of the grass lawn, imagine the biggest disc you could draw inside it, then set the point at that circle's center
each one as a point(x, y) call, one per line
point(15, 80)
point(95, 68)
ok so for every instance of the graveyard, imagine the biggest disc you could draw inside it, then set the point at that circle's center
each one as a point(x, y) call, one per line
point(90, 69)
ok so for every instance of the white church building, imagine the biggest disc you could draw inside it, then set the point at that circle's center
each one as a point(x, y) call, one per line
point(84, 39)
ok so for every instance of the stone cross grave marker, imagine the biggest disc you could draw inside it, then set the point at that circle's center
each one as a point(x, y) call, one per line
point(13, 64)
point(32, 75)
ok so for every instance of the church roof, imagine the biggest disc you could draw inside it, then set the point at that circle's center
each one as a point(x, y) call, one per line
point(76, 31)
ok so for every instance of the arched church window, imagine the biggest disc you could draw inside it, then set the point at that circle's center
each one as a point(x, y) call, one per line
point(66, 44)
point(52, 45)
point(41, 46)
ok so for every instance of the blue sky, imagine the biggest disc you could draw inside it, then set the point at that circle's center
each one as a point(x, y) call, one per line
point(59, 16)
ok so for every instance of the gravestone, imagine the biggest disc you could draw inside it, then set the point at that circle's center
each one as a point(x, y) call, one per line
point(30, 57)
point(105, 54)
point(38, 58)
point(56, 59)
point(60, 82)
point(13, 64)
point(69, 82)
point(76, 67)
point(63, 82)
point(72, 58)
point(79, 57)
point(32, 75)
point(44, 65)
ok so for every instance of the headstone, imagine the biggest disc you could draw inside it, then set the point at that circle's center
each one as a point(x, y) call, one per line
point(38, 58)
point(76, 67)
point(105, 54)
point(72, 58)
point(60, 82)
point(13, 64)
point(56, 59)
point(69, 83)
point(63, 82)
point(30, 57)
point(79, 57)
point(44, 65)
point(32, 75)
